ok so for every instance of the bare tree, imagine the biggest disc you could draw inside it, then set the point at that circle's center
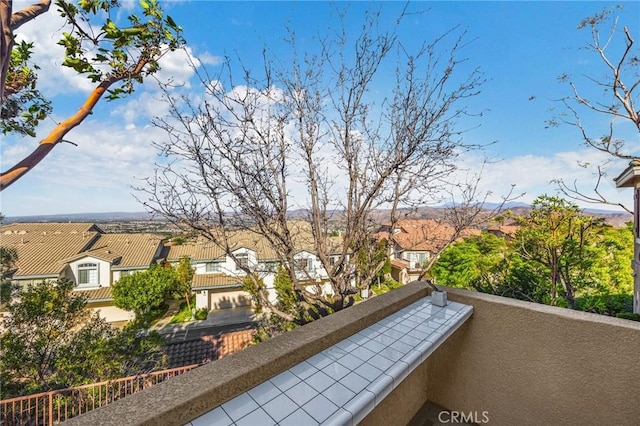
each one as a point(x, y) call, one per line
point(618, 54)
point(312, 136)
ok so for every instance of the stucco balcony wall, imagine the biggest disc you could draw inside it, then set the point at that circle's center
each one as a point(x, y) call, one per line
point(522, 363)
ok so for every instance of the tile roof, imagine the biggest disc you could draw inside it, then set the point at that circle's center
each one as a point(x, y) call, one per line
point(203, 281)
point(203, 249)
point(207, 348)
point(508, 230)
point(125, 250)
point(50, 227)
point(197, 250)
point(422, 235)
point(41, 246)
point(399, 264)
point(45, 248)
point(102, 293)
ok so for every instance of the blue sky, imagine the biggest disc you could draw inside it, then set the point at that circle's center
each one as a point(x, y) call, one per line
point(521, 47)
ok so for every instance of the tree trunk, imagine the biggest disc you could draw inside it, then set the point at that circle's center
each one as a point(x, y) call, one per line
point(6, 43)
point(60, 131)
point(8, 23)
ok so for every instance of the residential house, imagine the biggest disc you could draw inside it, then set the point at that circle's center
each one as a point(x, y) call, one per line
point(218, 278)
point(111, 257)
point(414, 242)
point(41, 247)
point(82, 253)
point(507, 232)
point(217, 281)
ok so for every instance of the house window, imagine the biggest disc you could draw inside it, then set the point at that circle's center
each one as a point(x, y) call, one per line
point(213, 267)
point(271, 266)
point(305, 264)
point(242, 260)
point(88, 274)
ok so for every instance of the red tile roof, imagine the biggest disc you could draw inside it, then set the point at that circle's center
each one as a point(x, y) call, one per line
point(400, 264)
point(207, 348)
point(422, 235)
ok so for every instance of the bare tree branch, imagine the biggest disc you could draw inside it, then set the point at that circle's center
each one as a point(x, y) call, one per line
point(574, 192)
point(619, 102)
point(307, 135)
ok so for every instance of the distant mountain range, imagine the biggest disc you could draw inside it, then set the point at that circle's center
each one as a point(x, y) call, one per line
point(85, 217)
point(616, 218)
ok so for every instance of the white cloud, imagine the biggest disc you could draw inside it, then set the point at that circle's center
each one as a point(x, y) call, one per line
point(97, 175)
point(45, 32)
point(177, 67)
point(207, 58)
point(139, 109)
point(533, 174)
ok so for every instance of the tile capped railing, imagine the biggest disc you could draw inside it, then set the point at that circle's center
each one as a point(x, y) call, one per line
point(342, 384)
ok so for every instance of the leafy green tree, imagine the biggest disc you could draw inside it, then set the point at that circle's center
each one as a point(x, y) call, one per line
point(615, 253)
point(100, 352)
point(52, 341)
point(592, 258)
point(8, 259)
point(288, 302)
point(558, 237)
point(184, 276)
point(113, 56)
point(472, 263)
point(522, 279)
point(144, 291)
point(38, 330)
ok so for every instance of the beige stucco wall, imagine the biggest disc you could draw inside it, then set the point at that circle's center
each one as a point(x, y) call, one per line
point(110, 313)
point(530, 364)
point(401, 405)
point(222, 299)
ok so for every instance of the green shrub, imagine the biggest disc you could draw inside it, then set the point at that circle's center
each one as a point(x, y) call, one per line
point(393, 284)
point(201, 314)
point(379, 289)
point(605, 304)
point(183, 316)
point(629, 315)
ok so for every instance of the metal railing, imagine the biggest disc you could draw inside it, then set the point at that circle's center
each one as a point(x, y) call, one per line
point(49, 408)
